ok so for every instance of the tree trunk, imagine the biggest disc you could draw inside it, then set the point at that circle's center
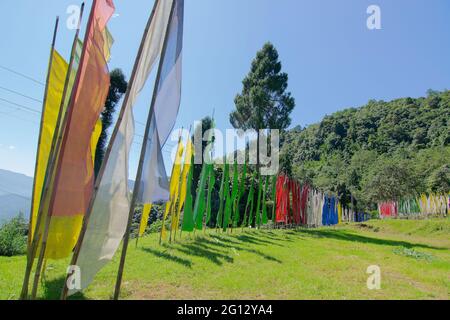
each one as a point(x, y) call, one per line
point(258, 165)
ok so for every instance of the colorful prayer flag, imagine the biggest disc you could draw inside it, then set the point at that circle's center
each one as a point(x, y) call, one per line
point(71, 182)
point(109, 214)
point(174, 186)
point(184, 181)
point(58, 74)
point(144, 219)
point(235, 195)
point(211, 183)
point(188, 215)
point(166, 106)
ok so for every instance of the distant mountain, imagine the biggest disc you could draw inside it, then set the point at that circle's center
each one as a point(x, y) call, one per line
point(15, 194)
point(130, 185)
point(11, 205)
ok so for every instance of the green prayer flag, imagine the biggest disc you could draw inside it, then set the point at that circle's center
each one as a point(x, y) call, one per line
point(258, 203)
point(188, 218)
point(226, 191)
point(240, 193)
point(200, 204)
point(250, 202)
point(219, 221)
point(235, 194)
point(211, 183)
point(199, 207)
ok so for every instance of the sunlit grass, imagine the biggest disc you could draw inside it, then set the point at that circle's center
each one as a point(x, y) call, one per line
point(325, 263)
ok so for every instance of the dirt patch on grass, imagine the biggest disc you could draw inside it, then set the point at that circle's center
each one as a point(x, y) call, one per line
point(368, 227)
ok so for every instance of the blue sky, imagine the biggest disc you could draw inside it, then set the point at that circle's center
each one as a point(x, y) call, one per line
point(332, 59)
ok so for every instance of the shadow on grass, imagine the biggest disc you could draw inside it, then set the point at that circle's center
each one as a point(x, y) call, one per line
point(346, 236)
point(216, 250)
point(283, 237)
point(52, 290)
point(223, 242)
point(199, 250)
point(256, 240)
point(169, 257)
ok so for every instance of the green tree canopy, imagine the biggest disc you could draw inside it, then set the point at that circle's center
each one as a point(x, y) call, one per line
point(264, 102)
point(117, 89)
point(378, 151)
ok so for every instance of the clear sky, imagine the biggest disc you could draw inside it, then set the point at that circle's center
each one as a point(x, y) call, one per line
point(333, 60)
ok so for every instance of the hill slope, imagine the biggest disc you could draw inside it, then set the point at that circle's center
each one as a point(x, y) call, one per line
point(349, 151)
point(15, 194)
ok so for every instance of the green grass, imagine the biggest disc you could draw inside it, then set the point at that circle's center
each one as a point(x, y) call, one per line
point(325, 263)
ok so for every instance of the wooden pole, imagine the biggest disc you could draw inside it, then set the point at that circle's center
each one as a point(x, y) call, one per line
point(30, 255)
point(57, 145)
point(141, 161)
point(108, 150)
point(164, 220)
point(146, 222)
point(50, 63)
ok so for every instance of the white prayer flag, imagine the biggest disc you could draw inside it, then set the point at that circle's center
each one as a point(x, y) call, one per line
point(109, 216)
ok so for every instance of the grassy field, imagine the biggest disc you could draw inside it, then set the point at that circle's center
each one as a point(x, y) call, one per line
point(325, 263)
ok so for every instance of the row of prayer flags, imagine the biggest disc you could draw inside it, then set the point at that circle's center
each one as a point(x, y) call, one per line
point(423, 205)
point(74, 214)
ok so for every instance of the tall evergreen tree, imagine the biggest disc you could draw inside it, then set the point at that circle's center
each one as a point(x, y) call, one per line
point(264, 102)
point(117, 89)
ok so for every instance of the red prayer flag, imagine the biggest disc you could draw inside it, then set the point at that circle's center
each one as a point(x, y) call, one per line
point(73, 185)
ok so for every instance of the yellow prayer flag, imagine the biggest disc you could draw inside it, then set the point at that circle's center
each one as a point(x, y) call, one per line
point(176, 171)
point(184, 182)
point(52, 107)
point(144, 219)
point(339, 213)
point(108, 42)
point(175, 183)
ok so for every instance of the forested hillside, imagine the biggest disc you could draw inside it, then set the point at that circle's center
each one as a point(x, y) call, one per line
point(381, 151)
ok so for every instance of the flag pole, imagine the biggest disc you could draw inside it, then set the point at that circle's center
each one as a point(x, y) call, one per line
point(50, 63)
point(138, 179)
point(163, 220)
point(24, 292)
point(108, 150)
point(57, 143)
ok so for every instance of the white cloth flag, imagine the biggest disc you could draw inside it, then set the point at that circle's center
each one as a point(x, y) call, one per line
point(154, 183)
point(154, 186)
point(109, 216)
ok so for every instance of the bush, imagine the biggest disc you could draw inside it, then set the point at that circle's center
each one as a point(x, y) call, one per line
point(156, 226)
point(13, 237)
point(374, 215)
point(154, 222)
